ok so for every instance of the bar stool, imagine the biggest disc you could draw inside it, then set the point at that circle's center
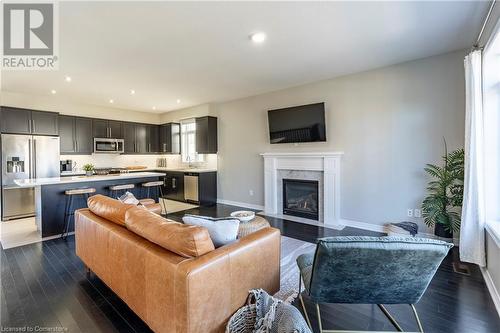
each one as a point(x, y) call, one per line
point(156, 184)
point(116, 189)
point(68, 212)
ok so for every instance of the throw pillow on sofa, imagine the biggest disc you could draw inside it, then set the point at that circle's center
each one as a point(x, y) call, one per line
point(222, 230)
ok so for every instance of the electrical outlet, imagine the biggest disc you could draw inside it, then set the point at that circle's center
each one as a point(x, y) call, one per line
point(250, 192)
point(417, 212)
point(409, 213)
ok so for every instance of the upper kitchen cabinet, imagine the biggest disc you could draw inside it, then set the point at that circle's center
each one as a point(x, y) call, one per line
point(17, 121)
point(170, 138)
point(141, 138)
point(153, 138)
point(206, 135)
point(24, 121)
point(102, 128)
point(76, 135)
point(138, 138)
point(44, 123)
point(129, 138)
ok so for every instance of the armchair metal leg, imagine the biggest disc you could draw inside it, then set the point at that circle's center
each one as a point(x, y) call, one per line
point(390, 317)
point(302, 302)
point(417, 318)
point(319, 318)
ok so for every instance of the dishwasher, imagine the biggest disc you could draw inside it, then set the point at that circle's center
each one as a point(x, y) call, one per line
point(191, 187)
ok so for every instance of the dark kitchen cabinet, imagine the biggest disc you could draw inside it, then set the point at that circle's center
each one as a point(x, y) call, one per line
point(16, 121)
point(207, 188)
point(129, 138)
point(136, 138)
point(170, 138)
point(141, 138)
point(44, 123)
point(83, 136)
point(103, 128)
point(24, 121)
point(115, 129)
point(174, 186)
point(206, 135)
point(67, 134)
point(153, 138)
point(75, 135)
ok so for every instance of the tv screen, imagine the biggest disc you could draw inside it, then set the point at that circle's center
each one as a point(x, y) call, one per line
point(305, 123)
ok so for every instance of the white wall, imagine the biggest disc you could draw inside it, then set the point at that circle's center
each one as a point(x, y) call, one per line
point(64, 106)
point(389, 122)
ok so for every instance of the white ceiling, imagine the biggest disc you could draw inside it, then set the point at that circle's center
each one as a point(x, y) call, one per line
point(199, 52)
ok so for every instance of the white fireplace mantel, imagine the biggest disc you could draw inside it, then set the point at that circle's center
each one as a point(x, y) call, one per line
point(327, 162)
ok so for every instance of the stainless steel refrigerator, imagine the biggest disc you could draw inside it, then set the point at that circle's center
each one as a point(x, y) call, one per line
point(24, 157)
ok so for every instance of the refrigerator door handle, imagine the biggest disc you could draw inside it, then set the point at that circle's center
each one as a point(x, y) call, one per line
point(30, 171)
point(34, 158)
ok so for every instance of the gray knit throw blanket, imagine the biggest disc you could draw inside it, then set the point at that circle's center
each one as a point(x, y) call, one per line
point(276, 316)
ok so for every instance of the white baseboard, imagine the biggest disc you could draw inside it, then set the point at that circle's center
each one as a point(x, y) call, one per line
point(363, 225)
point(491, 288)
point(240, 204)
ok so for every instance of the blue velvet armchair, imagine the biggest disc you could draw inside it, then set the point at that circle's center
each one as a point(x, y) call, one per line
point(370, 270)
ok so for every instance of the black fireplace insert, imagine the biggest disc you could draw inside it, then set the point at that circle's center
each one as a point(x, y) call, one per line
point(300, 198)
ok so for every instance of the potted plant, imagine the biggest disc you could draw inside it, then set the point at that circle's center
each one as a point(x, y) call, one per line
point(442, 207)
point(89, 169)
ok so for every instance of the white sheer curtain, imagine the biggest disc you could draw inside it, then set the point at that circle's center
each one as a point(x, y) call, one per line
point(472, 234)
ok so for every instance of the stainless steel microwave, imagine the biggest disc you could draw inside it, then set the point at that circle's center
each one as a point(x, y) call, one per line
point(108, 146)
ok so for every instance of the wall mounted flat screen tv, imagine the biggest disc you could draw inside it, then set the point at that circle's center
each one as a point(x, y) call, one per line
point(305, 123)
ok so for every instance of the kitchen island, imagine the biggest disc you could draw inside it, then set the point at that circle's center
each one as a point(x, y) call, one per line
point(50, 199)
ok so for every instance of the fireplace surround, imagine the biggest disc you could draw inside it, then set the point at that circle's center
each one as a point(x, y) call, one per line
point(321, 167)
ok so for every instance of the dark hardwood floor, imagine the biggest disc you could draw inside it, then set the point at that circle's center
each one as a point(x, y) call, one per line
point(45, 285)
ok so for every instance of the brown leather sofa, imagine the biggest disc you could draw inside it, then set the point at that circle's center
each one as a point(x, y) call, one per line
point(189, 287)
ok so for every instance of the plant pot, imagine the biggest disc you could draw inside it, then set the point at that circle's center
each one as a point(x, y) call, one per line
point(89, 173)
point(440, 231)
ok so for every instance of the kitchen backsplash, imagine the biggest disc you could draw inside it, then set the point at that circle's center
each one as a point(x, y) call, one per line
point(150, 161)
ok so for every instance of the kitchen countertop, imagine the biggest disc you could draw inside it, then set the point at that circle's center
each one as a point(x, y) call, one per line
point(82, 179)
point(193, 170)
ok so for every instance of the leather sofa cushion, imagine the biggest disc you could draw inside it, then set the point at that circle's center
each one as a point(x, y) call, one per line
point(185, 240)
point(108, 208)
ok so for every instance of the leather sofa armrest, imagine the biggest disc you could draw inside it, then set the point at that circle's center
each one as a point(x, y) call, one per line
point(212, 287)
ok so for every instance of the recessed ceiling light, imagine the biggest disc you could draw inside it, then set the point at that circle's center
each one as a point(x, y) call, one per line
point(132, 92)
point(67, 78)
point(258, 37)
point(111, 101)
point(178, 101)
point(53, 92)
point(154, 108)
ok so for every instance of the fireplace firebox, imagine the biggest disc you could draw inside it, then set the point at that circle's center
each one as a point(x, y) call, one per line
point(300, 198)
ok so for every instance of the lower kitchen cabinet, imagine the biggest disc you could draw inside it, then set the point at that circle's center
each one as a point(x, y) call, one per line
point(174, 186)
point(193, 187)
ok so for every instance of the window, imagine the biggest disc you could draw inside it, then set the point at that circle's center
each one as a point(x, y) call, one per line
point(491, 103)
point(188, 142)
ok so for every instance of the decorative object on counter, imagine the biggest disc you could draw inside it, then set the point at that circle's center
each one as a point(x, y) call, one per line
point(252, 226)
point(89, 169)
point(442, 207)
point(243, 215)
point(136, 167)
point(222, 230)
point(402, 228)
point(102, 171)
point(70, 211)
point(161, 162)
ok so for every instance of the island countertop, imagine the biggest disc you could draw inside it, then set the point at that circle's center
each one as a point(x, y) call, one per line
point(84, 179)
